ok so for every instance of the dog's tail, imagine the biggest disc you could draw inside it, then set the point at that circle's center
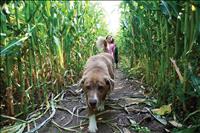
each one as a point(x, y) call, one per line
point(101, 43)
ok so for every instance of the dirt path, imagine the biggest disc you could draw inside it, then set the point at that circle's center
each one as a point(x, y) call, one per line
point(122, 109)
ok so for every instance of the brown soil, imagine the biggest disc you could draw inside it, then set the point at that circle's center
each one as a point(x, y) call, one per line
point(116, 118)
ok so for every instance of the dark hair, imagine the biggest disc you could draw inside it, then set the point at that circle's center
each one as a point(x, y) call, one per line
point(105, 46)
point(108, 36)
point(112, 40)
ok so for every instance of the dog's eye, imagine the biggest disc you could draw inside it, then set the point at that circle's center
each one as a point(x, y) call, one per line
point(87, 87)
point(101, 88)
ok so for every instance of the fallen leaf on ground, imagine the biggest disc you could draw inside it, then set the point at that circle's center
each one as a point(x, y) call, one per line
point(133, 122)
point(175, 124)
point(17, 127)
point(126, 130)
point(131, 101)
point(165, 109)
point(160, 119)
point(133, 109)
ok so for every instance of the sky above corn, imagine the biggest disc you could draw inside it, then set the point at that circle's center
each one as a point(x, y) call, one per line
point(112, 14)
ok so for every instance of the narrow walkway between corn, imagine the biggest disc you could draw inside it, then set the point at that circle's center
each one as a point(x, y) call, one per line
point(126, 109)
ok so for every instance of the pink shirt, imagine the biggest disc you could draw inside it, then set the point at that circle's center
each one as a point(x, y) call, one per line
point(111, 49)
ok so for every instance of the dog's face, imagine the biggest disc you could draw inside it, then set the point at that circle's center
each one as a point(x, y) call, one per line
point(96, 88)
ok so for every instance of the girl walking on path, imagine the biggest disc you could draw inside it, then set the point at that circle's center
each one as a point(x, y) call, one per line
point(112, 49)
point(108, 45)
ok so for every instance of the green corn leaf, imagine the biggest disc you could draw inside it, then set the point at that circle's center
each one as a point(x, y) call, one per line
point(12, 44)
point(165, 8)
point(18, 127)
point(59, 51)
point(48, 8)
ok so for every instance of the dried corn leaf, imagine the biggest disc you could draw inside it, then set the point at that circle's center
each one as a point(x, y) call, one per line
point(18, 127)
point(175, 124)
point(131, 101)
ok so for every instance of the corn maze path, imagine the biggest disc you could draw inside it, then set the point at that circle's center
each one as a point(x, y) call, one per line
point(120, 111)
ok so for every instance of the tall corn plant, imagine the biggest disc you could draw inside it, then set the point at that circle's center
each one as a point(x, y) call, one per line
point(44, 45)
point(163, 37)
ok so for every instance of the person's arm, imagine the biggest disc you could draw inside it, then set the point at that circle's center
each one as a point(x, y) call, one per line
point(113, 48)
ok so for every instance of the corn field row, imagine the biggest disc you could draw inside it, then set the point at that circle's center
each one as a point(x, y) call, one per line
point(162, 42)
point(44, 45)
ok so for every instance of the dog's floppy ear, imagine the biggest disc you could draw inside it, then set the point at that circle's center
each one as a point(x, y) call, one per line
point(109, 82)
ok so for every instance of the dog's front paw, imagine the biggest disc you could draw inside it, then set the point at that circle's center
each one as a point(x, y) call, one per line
point(92, 124)
point(92, 129)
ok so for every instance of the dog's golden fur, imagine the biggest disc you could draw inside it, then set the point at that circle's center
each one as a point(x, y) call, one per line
point(97, 81)
point(98, 72)
point(103, 62)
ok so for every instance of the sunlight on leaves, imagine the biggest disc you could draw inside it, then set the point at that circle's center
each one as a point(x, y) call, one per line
point(193, 8)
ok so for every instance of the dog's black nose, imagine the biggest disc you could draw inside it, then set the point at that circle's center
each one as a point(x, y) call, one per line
point(93, 102)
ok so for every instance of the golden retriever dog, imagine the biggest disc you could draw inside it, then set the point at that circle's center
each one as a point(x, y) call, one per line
point(97, 82)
